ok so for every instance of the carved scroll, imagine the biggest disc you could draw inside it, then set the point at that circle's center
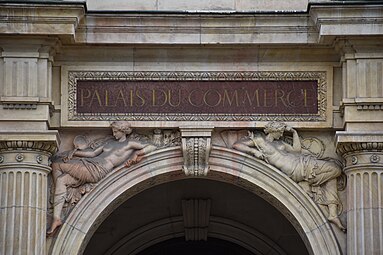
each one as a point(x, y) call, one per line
point(196, 147)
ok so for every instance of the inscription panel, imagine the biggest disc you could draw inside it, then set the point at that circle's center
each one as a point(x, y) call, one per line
point(196, 96)
point(208, 97)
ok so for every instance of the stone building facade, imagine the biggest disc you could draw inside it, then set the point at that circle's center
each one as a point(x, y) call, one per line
point(202, 84)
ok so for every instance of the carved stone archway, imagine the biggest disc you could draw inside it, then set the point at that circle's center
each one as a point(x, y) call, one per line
point(225, 165)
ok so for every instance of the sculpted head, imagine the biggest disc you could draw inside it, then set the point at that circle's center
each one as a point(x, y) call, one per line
point(122, 126)
point(275, 128)
point(81, 142)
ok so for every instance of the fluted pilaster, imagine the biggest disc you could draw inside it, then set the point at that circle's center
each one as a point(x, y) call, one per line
point(24, 168)
point(364, 169)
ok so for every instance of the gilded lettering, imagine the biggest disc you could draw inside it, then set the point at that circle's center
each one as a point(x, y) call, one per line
point(304, 92)
point(170, 98)
point(251, 99)
point(279, 96)
point(265, 99)
point(139, 96)
point(191, 95)
point(205, 96)
point(120, 96)
point(155, 97)
point(288, 99)
point(95, 96)
point(234, 97)
point(83, 96)
point(106, 97)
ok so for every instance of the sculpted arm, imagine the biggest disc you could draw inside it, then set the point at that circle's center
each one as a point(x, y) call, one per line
point(141, 149)
point(88, 154)
point(297, 147)
point(247, 146)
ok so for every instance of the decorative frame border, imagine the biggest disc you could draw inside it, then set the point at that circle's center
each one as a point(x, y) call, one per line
point(319, 76)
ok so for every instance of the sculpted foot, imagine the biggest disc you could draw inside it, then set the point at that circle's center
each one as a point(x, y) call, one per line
point(336, 221)
point(55, 224)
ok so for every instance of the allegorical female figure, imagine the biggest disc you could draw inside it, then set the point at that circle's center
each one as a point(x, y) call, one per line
point(85, 165)
point(320, 174)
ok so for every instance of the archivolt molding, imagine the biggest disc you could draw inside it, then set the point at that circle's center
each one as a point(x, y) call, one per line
point(225, 165)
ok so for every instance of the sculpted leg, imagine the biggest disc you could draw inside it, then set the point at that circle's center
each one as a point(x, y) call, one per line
point(326, 172)
point(333, 216)
point(61, 184)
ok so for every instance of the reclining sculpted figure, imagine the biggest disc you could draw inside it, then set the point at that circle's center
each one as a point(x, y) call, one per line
point(85, 165)
point(320, 174)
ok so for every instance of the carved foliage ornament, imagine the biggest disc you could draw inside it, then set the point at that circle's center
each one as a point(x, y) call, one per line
point(75, 76)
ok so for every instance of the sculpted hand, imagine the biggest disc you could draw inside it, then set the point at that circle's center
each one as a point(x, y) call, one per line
point(258, 154)
point(129, 162)
point(67, 158)
point(289, 129)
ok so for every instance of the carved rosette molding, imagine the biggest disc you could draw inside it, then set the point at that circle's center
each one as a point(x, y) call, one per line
point(196, 147)
point(361, 154)
point(74, 76)
point(30, 153)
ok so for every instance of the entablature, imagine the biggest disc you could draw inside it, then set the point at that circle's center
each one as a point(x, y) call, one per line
point(322, 23)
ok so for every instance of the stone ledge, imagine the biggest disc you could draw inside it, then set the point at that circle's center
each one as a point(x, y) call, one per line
point(352, 141)
point(39, 18)
point(47, 140)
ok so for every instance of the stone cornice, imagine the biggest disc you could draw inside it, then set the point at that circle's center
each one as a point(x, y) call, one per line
point(71, 22)
point(350, 142)
point(40, 19)
point(347, 20)
point(42, 141)
point(186, 28)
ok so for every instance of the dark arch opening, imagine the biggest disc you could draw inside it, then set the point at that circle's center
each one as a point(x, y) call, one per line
point(177, 246)
point(228, 202)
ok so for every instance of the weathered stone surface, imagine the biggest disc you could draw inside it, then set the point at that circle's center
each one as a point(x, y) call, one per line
point(41, 43)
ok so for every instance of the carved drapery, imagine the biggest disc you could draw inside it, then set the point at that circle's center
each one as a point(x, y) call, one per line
point(76, 172)
point(316, 175)
point(226, 165)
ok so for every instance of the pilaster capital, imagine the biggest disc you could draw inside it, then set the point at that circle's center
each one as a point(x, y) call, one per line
point(31, 149)
point(46, 141)
point(361, 150)
point(355, 141)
